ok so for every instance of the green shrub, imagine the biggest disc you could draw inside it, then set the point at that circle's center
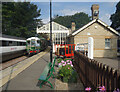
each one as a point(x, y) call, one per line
point(73, 78)
point(59, 60)
point(66, 70)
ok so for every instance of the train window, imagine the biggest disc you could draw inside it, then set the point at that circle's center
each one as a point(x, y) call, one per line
point(5, 43)
point(18, 43)
point(0, 43)
point(28, 42)
point(21, 43)
point(10, 43)
point(38, 41)
point(24, 43)
point(14, 43)
point(32, 42)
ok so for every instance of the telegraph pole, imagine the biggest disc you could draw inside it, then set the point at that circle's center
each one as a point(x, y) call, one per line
point(51, 50)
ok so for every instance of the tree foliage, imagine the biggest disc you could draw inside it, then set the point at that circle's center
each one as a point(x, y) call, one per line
point(20, 19)
point(115, 18)
point(80, 20)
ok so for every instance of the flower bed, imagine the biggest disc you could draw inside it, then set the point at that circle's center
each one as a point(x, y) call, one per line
point(100, 89)
point(66, 71)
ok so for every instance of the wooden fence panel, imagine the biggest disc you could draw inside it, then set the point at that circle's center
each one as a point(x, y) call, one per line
point(94, 74)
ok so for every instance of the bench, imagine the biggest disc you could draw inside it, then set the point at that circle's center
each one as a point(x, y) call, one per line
point(47, 73)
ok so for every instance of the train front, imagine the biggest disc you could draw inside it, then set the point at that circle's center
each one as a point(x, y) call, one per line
point(33, 45)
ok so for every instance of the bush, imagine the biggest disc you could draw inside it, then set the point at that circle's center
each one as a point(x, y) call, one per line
point(59, 60)
point(66, 70)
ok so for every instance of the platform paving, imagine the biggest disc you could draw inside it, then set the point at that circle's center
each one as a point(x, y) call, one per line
point(111, 62)
point(28, 79)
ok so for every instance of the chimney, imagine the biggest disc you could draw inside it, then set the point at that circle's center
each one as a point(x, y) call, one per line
point(95, 11)
point(73, 26)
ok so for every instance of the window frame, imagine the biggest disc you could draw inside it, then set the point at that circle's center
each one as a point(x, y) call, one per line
point(106, 41)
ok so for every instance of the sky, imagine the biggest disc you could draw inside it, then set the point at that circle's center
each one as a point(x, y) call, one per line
point(70, 8)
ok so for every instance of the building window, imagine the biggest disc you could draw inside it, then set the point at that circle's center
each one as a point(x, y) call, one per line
point(107, 43)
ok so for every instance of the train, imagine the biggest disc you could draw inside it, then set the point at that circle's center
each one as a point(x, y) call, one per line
point(11, 47)
point(35, 45)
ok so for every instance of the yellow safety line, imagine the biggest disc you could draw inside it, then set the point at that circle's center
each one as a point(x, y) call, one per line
point(15, 73)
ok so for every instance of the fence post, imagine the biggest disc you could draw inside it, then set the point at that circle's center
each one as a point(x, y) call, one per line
point(108, 78)
point(119, 81)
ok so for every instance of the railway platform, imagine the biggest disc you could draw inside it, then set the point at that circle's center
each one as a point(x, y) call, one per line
point(28, 78)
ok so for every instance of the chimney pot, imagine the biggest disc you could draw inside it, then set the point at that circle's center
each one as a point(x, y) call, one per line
point(73, 26)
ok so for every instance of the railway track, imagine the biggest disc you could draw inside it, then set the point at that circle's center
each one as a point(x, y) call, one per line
point(12, 62)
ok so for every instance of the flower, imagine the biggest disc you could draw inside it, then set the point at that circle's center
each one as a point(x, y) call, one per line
point(67, 60)
point(102, 88)
point(62, 61)
point(64, 64)
point(87, 89)
point(70, 62)
point(116, 90)
point(68, 68)
point(59, 64)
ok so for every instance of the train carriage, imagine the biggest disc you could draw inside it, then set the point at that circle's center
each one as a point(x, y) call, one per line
point(11, 47)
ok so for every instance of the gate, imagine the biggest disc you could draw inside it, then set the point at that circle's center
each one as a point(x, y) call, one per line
point(65, 50)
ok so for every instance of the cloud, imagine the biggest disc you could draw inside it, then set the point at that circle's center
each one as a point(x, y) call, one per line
point(106, 18)
point(70, 12)
point(46, 20)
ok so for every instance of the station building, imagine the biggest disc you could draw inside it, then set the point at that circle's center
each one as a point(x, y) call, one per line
point(59, 32)
point(105, 37)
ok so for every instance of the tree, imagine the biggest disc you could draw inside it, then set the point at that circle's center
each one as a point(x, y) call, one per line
point(80, 20)
point(20, 19)
point(115, 18)
point(7, 12)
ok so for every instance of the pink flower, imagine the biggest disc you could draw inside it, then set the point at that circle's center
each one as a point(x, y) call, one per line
point(59, 63)
point(67, 60)
point(70, 62)
point(62, 61)
point(87, 89)
point(102, 88)
point(68, 68)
